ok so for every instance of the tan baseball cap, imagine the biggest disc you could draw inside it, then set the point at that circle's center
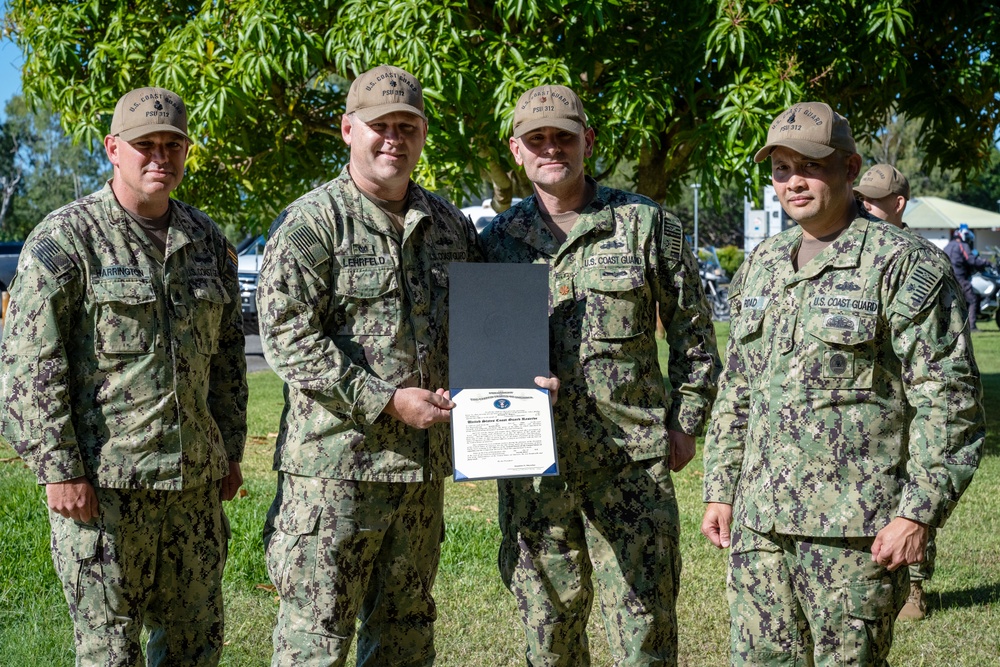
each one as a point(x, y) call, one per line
point(882, 180)
point(549, 106)
point(147, 110)
point(810, 128)
point(383, 90)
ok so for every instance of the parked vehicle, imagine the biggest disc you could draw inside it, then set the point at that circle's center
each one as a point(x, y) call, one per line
point(249, 255)
point(484, 214)
point(716, 285)
point(986, 285)
point(9, 253)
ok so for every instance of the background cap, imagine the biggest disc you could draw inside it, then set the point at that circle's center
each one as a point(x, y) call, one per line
point(147, 110)
point(882, 180)
point(810, 128)
point(549, 106)
point(383, 90)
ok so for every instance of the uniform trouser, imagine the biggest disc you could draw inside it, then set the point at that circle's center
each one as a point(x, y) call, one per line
point(971, 300)
point(797, 600)
point(340, 550)
point(618, 526)
point(153, 559)
point(924, 570)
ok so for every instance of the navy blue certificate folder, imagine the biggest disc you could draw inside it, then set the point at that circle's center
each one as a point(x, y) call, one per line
point(498, 325)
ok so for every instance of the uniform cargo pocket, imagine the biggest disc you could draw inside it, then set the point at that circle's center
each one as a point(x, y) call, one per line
point(210, 299)
point(78, 551)
point(291, 551)
point(126, 314)
point(369, 302)
point(868, 613)
point(747, 325)
point(839, 351)
point(617, 306)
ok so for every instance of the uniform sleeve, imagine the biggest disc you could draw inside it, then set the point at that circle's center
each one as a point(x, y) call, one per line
point(45, 297)
point(693, 366)
point(725, 441)
point(294, 297)
point(475, 244)
point(942, 385)
point(227, 392)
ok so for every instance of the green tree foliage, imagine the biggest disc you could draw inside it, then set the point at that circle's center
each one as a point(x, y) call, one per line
point(683, 89)
point(51, 170)
point(730, 258)
point(898, 144)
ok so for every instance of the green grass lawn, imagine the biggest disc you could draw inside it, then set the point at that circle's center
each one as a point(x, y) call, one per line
point(478, 623)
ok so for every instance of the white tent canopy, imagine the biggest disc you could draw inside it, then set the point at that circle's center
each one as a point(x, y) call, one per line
point(934, 218)
point(937, 213)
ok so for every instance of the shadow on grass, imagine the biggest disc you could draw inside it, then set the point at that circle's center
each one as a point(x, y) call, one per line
point(977, 596)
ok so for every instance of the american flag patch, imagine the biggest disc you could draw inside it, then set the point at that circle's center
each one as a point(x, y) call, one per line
point(51, 256)
point(920, 285)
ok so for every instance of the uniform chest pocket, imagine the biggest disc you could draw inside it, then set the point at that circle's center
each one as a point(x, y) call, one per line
point(839, 350)
point(126, 316)
point(210, 297)
point(368, 302)
point(617, 302)
point(747, 326)
point(747, 329)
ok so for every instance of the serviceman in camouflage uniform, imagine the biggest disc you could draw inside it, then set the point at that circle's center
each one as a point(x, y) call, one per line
point(123, 374)
point(353, 304)
point(611, 512)
point(849, 417)
point(884, 192)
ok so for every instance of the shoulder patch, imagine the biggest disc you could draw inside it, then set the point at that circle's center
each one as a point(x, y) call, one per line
point(673, 237)
point(231, 257)
point(306, 240)
point(918, 290)
point(52, 257)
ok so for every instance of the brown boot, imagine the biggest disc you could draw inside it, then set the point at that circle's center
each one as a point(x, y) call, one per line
point(915, 608)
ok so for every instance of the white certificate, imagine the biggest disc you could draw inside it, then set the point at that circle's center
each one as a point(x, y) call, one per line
point(502, 433)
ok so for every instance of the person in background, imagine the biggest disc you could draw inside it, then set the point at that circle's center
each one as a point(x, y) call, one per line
point(884, 192)
point(964, 262)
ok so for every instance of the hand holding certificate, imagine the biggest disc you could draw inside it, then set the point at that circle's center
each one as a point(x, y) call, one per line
point(501, 424)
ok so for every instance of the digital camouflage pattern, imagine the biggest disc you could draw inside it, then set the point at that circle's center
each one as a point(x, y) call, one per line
point(924, 570)
point(350, 310)
point(612, 511)
point(810, 601)
point(120, 365)
point(849, 396)
point(623, 257)
point(811, 434)
point(127, 367)
point(338, 550)
point(622, 525)
point(107, 569)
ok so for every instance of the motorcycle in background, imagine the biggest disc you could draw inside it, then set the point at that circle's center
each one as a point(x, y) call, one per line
point(986, 285)
point(716, 286)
